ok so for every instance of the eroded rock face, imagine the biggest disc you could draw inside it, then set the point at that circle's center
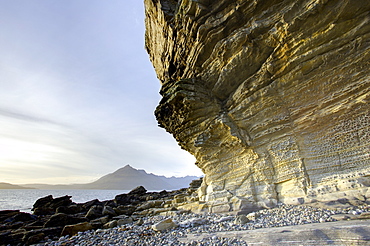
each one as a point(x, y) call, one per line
point(271, 97)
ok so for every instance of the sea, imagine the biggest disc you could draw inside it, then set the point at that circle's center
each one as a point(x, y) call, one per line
point(23, 200)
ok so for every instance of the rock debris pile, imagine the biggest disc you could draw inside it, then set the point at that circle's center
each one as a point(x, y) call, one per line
point(55, 217)
point(173, 229)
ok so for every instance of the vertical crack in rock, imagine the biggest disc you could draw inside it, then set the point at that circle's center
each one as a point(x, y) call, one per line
point(271, 97)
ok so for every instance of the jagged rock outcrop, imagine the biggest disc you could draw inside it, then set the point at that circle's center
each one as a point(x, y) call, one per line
point(54, 217)
point(271, 97)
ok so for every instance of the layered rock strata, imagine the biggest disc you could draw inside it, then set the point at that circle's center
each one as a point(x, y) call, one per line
point(271, 97)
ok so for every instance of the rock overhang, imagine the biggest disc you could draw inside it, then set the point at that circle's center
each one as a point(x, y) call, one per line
point(271, 97)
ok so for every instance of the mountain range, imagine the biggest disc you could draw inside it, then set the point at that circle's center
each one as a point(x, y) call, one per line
point(12, 186)
point(125, 178)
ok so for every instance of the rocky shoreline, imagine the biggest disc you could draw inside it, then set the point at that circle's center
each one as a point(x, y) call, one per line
point(52, 217)
point(150, 218)
point(175, 229)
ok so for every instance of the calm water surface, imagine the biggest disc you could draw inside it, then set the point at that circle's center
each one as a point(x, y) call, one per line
point(24, 199)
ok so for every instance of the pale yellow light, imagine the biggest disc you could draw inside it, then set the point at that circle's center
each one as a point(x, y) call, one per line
point(12, 150)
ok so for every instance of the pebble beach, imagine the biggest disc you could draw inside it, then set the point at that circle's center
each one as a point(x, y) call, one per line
point(143, 230)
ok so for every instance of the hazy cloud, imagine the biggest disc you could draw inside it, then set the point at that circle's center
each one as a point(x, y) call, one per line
point(77, 93)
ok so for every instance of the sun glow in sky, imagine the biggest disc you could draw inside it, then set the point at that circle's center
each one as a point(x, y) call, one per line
point(78, 92)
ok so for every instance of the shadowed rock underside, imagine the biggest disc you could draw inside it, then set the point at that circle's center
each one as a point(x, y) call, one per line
point(271, 97)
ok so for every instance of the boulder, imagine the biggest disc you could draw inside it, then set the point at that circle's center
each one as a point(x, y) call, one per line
point(61, 219)
point(127, 199)
point(193, 222)
point(110, 203)
point(152, 196)
point(180, 198)
point(48, 205)
point(72, 209)
point(41, 202)
point(223, 219)
point(89, 204)
point(364, 216)
point(124, 221)
point(43, 211)
point(150, 204)
point(16, 225)
point(24, 217)
point(98, 223)
point(140, 190)
point(6, 214)
point(37, 235)
point(60, 201)
point(108, 211)
point(110, 224)
point(139, 222)
point(13, 238)
point(241, 219)
point(94, 212)
point(164, 193)
point(253, 215)
point(102, 220)
point(35, 238)
point(164, 225)
point(343, 216)
point(74, 229)
point(127, 210)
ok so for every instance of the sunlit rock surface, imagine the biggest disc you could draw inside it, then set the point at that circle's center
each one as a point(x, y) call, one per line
point(271, 97)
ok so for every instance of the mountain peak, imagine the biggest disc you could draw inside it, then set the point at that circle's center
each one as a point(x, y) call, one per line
point(127, 170)
point(128, 166)
point(128, 177)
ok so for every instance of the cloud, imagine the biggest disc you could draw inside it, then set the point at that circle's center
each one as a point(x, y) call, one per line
point(46, 149)
point(78, 94)
point(5, 113)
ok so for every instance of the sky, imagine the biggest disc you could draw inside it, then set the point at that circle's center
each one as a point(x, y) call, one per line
point(78, 92)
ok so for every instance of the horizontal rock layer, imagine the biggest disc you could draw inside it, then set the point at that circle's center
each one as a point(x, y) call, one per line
point(271, 97)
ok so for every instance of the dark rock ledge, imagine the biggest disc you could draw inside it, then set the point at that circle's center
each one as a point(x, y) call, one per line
point(163, 216)
point(55, 217)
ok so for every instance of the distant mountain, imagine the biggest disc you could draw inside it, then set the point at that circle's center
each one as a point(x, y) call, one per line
point(52, 187)
point(127, 178)
point(12, 186)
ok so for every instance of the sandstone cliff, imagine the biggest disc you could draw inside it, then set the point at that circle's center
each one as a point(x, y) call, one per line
point(271, 97)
